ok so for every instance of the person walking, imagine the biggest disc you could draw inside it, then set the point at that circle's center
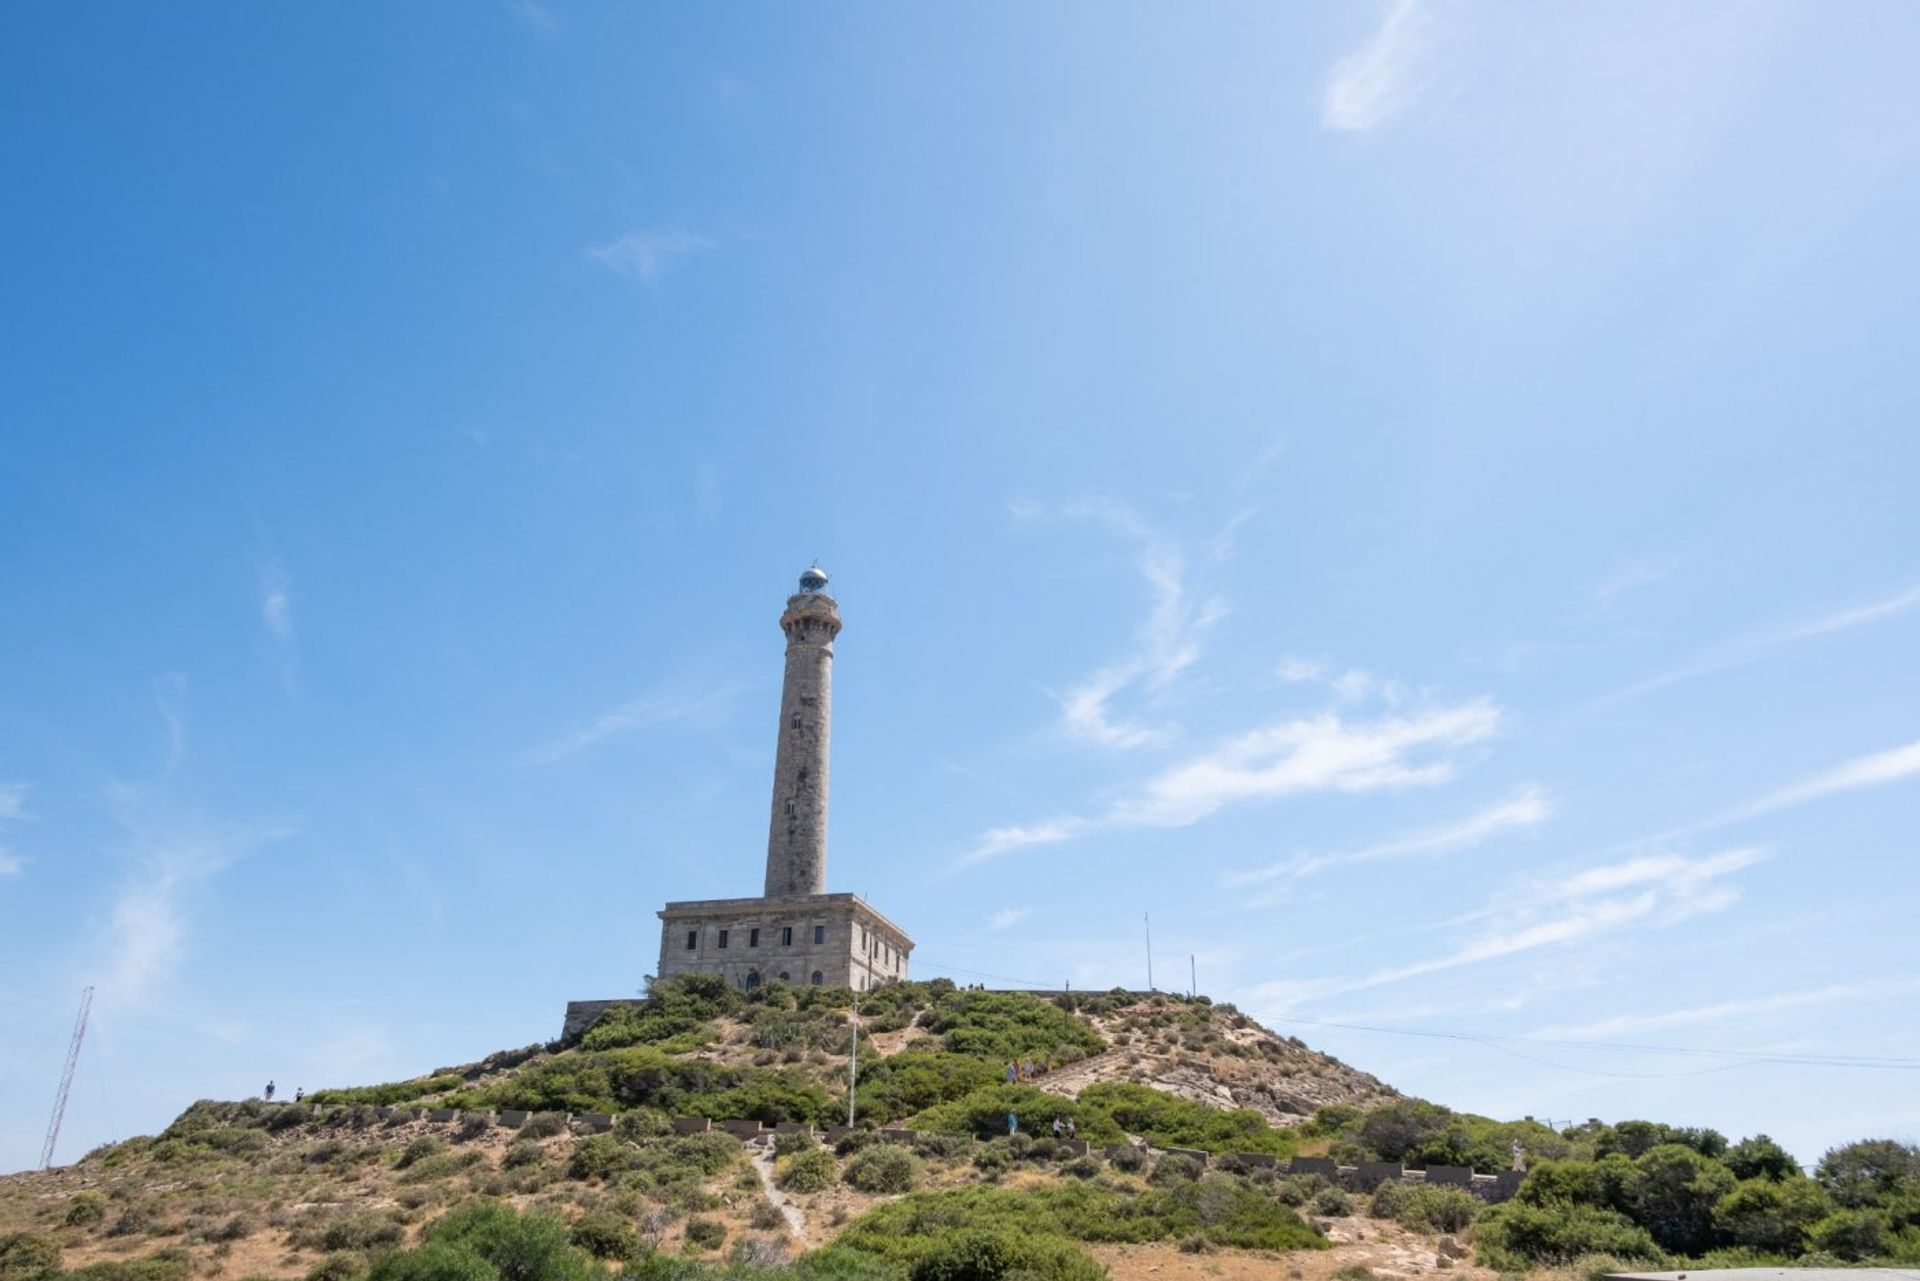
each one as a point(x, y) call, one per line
point(269, 1091)
point(299, 1092)
point(1058, 1126)
point(1013, 1124)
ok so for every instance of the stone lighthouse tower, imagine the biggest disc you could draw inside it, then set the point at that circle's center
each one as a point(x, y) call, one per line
point(796, 932)
point(797, 832)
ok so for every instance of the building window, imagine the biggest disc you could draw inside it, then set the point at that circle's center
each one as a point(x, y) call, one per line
point(789, 809)
point(753, 978)
point(817, 979)
point(863, 936)
point(753, 938)
point(723, 938)
point(819, 933)
point(796, 720)
point(786, 938)
point(693, 939)
point(784, 976)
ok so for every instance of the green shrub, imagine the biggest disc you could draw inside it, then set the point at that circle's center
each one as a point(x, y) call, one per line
point(605, 1236)
point(679, 1007)
point(336, 1267)
point(386, 1095)
point(1672, 1193)
point(359, 1232)
point(1128, 1158)
point(1771, 1215)
point(641, 1124)
point(1518, 1235)
point(708, 1234)
point(1084, 1167)
point(84, 1210)
point(1174, 1168)
point(884, 1168)
point(1331, 1202)
point(1168, 1121)
point(600, 1157)
point(487, 1241)
point(1867, 1172)
point(25, 1257)
point(544, 1126)
point(522, 1153)
point(793, 1142)
point(810, 1171)
point(1438, 1209)
point(709, 1153)
point(165, 1265)
point(978, 1255)
point(1853, 1235)
point(440, 1165)
point(425, 1146)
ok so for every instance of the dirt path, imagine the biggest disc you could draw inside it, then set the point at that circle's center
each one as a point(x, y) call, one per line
point(762, 1159)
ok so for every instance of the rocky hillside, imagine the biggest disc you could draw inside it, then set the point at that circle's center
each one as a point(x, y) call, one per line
point(357, 1179)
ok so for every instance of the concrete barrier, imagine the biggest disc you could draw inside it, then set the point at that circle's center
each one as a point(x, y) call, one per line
point(1369, 1175)
point(792, 1127)
point(1079, 1147)
point(742, 1129)
point(1453, 1176)
point(1319, 1165)
point(593, 1122)
point(1195, 1153)
point(441, 1114)
point(835, 1133)
point(1506, 1183)
point(512, 1118)
point(384, 1113)
point(691, 1125)
point(897, 1136)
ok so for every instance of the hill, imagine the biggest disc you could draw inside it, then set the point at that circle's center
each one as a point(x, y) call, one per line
point(478, 1173)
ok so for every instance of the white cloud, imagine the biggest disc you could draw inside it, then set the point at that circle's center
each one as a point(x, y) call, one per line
point(1524, 809)
point(1865, 771)
point(537, 16)
point(1647, 892)
point(1312, 754)
point(1623, 1024)
point(1379, 80)
point(643, 255)
point(1749, 648)
point(13, 807)
point(1352, 684)
point(169, 856)
point(1008, 917)
point(1167, 641)
point(640, 713)
point(276, 603)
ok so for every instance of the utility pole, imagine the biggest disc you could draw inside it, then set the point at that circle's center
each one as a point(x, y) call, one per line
point(66, 1080)
point(1148, 918)
point(853, 1059)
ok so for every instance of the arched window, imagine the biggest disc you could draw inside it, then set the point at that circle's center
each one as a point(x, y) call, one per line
point(818, 978)
point(785, 977)
point(753, 978)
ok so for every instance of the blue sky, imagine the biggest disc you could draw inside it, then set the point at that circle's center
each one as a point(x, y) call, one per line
point(1418, 497)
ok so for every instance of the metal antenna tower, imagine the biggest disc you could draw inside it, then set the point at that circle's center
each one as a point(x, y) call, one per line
point(66, 1080)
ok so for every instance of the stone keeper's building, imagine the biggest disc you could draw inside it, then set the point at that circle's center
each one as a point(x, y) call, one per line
point(795, 931)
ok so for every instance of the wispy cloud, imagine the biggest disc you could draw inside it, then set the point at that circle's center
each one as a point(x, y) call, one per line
point(629, 717)
point(1749, 648)
point(13, 807)
point(1350, 684)
point(1381, 78)
point(1167, 641)
point(644, 255)
point(1524, 809)
point(1624, 578)
point(1837, 993)
point(1008, 917)
point(276, 603)
point(1865, 771)
point(536, 16)
point(1640, 893)
point(1309, 754)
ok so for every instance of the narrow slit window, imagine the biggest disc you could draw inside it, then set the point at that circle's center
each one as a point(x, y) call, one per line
point(753, 938)
point(786, 938)
point(723, 938)
point(819, 933)
point(693, 939)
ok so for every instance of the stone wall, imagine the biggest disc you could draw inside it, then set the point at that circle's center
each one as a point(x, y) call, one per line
point(859, 948)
